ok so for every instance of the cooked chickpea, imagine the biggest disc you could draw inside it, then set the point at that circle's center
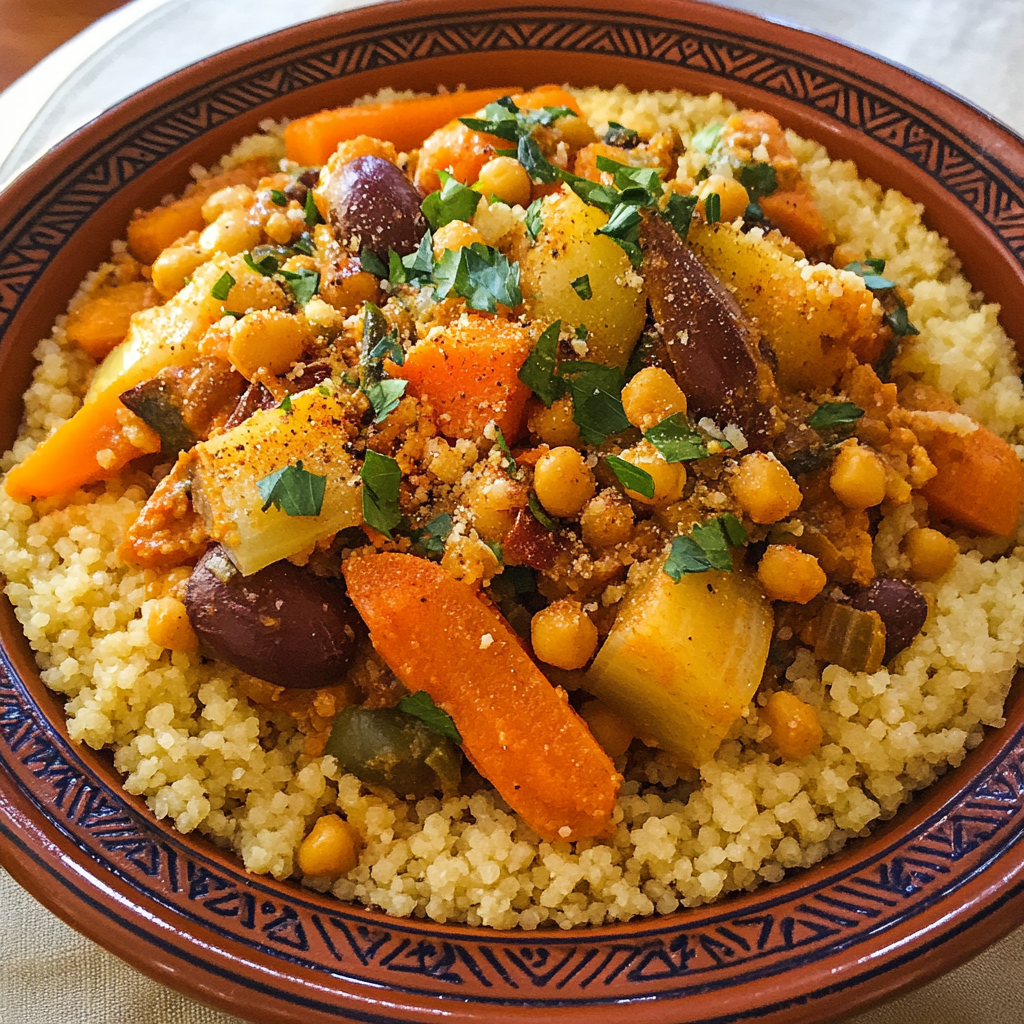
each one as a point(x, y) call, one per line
point(563, 635)
point(555, 426)
point(788, 574)
point(652, 396)
point(731, 194)
point(455, 235)
point(266, 338)
point(563, 481)
point(175, 264)
point(669, 477)
point(168, 625)
point(493, 501)
point(931, 553)
point(231, 233)
point(796, 730)
point(611, 731)
point(279, 228)
point(331, 848)
point(506, 178)
point(233, 197)
point(858, 477)
point(764, 488)
point(468, 558)
point(606, 520)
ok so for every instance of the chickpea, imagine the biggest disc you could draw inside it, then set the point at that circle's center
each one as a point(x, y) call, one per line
point(606, 520)
point(563, 482)
point(858, 477)
point(506, 178)
point(731, 194)
point(266, 338)
point(788, 574)
point(563, 635)
point(230, 233)
point(331, 848)
point(233, 197)
point(764, 488)
point(931, 553)
point(168, 625)
point(669, 477)
point(555, 426)
point(469, 559)
point(279, 228)
point(609, 729)
point(796, 730)
point(176, 263)
point(493, 501)
point(652, 396)
point(455, 235)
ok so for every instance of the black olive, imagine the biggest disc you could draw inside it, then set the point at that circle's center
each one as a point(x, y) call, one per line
point(901, 607)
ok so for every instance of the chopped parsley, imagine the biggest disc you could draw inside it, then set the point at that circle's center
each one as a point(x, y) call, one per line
point(421, 705)
point(713, 208)
point(453, 201)
point(312, 214)
point(266, 265)
point(378, 343)
point(538, 371)
point(417, 268)
point(278, 198)
point(870, 270)
point(381, 478)
point(538, 513)
point(633, 478)
point(678, 212)
point(384, 396)
point(677, 440)
point(707, 547)
point(286, 404)
point(510, 463)
point(759, 180)
point(372, 263)
point(535, 219)
point(430, 539)
point(505, 120)
point(618, 135)
point(623, 228)
point(293, 490)
point(222, 286)
point(480, 274)
point(831, 415)
point(596, 392)
point(899, 322)
point(581, 286)
point(707, 137)
point(302, 283)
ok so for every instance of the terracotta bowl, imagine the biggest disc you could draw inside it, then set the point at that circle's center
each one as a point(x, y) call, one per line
point(923, 893)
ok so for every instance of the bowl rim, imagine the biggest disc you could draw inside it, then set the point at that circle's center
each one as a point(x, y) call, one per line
point(52, 864)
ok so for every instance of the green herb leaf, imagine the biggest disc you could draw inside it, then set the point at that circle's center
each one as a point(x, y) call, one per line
point(617, 135)
point(623, 227)
point(633, 478)
point(900, 323)
point(871, 272)
point(267, 265)
point(534, 162)
point(303, 244)
point(480, 274)
point(627, 177)
point(520, 578)
point(592, 193)
point(758, 179)
point(324, 390)
point(420, 705)
point(453, 201)
point(713, 208)
point(372, 263)
point(278, 198)
point(535, 219)
point(596, 392)
point(581, 286)
point(431, 537)
point(538, 371)
point(222, 286)
point(538, 513)
point(708, 547)
point(311, 213)
point(293, 490)
point(677, 440)
point(511, 468)
point(830, 415)
point(753, 212)
point(381, 478)
point(678, 212)
point(707, 137)
point(286, 404)
point(711, 539)
point(303, 284)
point(384, 396)
point(685, 557)
point(581, 332)
point(735, 532)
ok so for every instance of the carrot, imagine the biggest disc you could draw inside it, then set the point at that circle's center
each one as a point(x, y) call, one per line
point(470, 375)
point(101, 322)
point(517, 729)
point(311, 140)
point(796, 215)
point(980, 479)
point(92, 445)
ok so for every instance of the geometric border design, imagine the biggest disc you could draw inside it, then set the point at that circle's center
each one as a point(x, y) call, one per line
point(676, 957)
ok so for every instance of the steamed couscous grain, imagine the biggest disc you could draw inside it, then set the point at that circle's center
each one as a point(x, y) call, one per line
point(191, 741)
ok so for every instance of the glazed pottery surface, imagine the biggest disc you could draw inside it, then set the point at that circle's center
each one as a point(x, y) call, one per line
point(924, 892)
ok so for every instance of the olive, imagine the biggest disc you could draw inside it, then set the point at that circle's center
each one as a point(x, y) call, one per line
point(282, 624)
point(373, 205)
point(387, 747)
point(901, 607)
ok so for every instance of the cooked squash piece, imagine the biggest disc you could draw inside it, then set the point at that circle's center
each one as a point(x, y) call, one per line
point(228, 467)
point(684, 659)
point(102, 321)
point(518, 730)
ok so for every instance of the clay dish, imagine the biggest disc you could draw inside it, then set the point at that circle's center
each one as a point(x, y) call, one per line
point(923, 893)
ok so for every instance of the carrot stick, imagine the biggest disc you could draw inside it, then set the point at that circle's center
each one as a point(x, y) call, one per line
point(517, 729)
point(311, 140)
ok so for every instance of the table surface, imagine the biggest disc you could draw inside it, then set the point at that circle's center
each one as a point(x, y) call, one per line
point(50, 973)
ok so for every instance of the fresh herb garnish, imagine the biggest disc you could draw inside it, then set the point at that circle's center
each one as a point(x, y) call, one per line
point(618, 135)
point(899, 322)
point(278, 198)
point(505, 120)
point(421, 705)
point(266, 265)
point(311, 213)
point(677, 440)
point(285, 404)
point(707, 137)
point(417, 268)
point(758, 179)
point(480, 274)
point(452, 201)
point(830, 415)
point(678, 212)
point(581, 286)
point(372, 263)
point(303, 244)
point(222, 286)
point(596, 392)
point(431, 537)
point(538, 371)
point(535, 219)
point(623, 228)
point(378, 343)
point(870, 270)
point(538, 513)
point(302, 283)
point(510, 463)
point(581, 332)
point(633, 478)
point(384, 396)
point(381, 478)
point(713, 208)
point(293, 490)
point(707, 547)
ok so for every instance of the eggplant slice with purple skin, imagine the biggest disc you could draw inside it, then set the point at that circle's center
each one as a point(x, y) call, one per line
point(710, 347)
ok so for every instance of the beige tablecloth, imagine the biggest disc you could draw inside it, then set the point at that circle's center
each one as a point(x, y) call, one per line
point(51, 975)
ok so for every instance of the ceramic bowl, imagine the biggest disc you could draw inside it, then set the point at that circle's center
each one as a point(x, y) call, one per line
point(924, 892)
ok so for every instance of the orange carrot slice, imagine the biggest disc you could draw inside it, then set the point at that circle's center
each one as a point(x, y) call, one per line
point(311, 140)
point(517, 729)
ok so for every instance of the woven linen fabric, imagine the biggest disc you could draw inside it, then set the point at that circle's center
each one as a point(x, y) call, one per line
point(49, 973)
